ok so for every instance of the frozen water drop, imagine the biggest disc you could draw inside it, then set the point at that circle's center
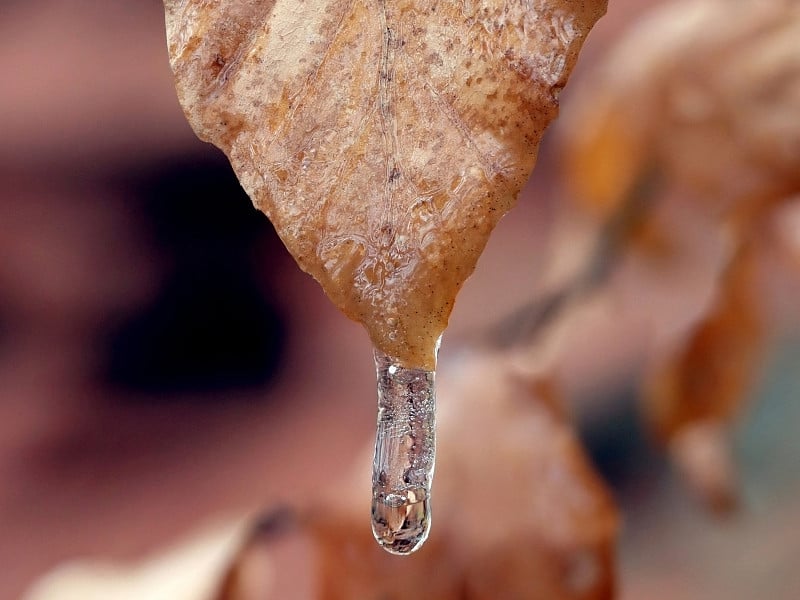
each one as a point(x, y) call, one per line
point(405, 449)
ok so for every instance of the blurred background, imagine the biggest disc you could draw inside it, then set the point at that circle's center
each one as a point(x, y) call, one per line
point(163, 361)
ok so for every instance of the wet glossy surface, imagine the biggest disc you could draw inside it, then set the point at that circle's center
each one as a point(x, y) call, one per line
point(405, 452)
point(383, 139)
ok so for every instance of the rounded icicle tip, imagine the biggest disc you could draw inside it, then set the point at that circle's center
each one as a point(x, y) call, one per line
point(405, 452)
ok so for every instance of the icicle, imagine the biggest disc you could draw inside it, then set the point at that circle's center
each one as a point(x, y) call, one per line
point(405, 450)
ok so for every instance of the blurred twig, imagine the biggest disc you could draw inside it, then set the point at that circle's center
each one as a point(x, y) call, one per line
point(526, 323)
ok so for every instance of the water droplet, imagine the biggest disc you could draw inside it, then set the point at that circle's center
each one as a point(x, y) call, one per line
point(405, 450)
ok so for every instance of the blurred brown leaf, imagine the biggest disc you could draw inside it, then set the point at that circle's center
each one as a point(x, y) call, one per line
point(704, 90)
point(705, 378)
point(702, 99)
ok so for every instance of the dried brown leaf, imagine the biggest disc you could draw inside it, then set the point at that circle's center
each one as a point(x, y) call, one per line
point(696, 390)
point(383, 139)
point(706, 93)
point(708, 376)
point(701, 99)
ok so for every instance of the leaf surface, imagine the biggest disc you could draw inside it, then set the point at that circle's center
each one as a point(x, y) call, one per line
point(384, 139)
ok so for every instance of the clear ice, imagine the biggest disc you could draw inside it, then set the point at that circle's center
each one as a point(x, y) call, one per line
point(405, 450)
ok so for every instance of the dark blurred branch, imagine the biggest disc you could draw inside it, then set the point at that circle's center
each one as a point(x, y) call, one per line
point(527, 322)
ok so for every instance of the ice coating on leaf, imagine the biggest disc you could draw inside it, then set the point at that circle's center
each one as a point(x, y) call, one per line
point(384, 139)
